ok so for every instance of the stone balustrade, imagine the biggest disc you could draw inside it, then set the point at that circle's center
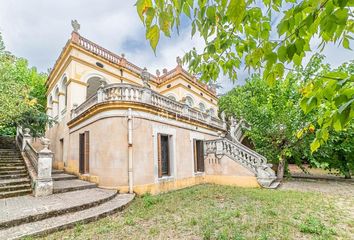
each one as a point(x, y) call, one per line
point(243, 155)
point(120, 92)
point(39, 163)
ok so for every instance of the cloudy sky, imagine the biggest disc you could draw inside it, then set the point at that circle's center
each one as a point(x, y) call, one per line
point(38, 29)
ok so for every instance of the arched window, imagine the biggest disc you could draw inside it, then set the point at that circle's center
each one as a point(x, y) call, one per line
point(56, 112)
point(64, 89)
point(94, 84)
point(202, 107)
point(212, 112)
point(172, 97)
point(189, 101)
point(50, 106)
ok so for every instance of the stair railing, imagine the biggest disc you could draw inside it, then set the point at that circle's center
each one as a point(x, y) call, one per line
point(248, 158)
point(39, 163)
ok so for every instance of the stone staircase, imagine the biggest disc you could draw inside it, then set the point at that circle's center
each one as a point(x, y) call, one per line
point(14, 179)
point(74, 201)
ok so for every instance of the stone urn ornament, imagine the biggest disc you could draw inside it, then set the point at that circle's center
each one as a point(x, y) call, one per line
point(45, 142)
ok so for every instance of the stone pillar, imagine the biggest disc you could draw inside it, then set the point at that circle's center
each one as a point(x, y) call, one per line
point(146, 95)
point(100, 94)
point(43, 185)
point(73, 110)
point(185, 110)
point(55, 108)
point(61, 103)
point(208, 117)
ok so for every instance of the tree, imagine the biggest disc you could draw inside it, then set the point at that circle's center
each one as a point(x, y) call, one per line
point(275, 117)
point(22, 93)
point(240, 33)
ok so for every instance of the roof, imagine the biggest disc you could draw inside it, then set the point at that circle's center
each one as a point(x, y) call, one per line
point(121, 61)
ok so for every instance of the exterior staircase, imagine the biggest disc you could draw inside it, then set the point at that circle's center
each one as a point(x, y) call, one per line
point(14, 178)
point(74, 201)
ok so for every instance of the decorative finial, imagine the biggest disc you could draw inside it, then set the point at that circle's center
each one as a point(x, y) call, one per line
point(76, 26)
point(164, 71)
point(158, 73)
point(123, 55)
point(179, 61)
point(145, 76)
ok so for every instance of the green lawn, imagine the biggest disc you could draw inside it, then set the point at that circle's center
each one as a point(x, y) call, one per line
point(221, 212)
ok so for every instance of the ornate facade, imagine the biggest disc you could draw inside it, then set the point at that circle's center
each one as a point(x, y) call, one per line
point(125, 128)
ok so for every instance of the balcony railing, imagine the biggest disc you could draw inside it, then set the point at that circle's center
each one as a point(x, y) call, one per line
point(130, 93)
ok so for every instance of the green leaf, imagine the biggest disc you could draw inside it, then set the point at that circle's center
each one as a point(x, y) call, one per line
point(291, 50)
point(165, 23)
point(150, 14)
point(315, 145)
point(282, 54)
point(211, 13)
point(236, 11)
point(345, 105)
point(346, 43)
point(142, 6)
point(153, 35)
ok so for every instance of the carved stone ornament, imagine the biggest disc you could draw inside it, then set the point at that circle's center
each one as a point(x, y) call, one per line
point(145, 76)
point(76, 26)
point(179, 61)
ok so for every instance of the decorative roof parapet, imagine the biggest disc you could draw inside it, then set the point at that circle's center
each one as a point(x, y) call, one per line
point(94, 48)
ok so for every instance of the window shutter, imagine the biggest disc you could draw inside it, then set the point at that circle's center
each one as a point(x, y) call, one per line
point(195, 155)
point(200, 156)
point(81, 153)
point(159, 157)
point(87, 151)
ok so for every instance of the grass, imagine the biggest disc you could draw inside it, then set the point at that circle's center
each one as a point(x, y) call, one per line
point(220, 212)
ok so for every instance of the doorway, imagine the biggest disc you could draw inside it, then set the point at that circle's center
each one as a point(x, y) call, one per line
point(198, 147)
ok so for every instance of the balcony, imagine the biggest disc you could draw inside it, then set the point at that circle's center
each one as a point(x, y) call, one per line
point(127, 93)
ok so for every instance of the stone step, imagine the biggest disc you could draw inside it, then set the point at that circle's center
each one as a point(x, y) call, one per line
point(15, 193)
point(53, 224)
point(2, 158)
point(63, 176)
point(16, 176)
point(30, 209)
point(11, 168)
point(15, 172)
point(11, 164)
point(71, 185)
point(15, 187)
point(11, 182)
point(57, 171)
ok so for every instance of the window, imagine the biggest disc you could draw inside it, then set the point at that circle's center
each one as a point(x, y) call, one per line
point(57, 107)
point(202, 107)
point(189, 101)
point(172, 97)
point(164, 165)
point(198, 155)
point(64, 89)
point(212, 112)
point(84, 152)
point(94, 84)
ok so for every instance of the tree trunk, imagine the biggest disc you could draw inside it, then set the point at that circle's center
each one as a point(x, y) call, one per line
point(281, 168)
point(345, 168)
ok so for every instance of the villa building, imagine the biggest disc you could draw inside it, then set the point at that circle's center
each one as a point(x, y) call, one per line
point(124, 128)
